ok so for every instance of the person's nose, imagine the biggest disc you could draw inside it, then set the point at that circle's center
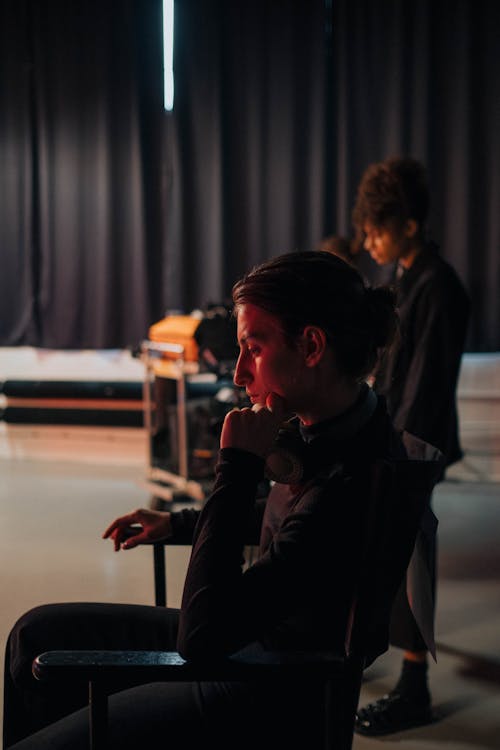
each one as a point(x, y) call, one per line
point(241, 374)
point(367, 244)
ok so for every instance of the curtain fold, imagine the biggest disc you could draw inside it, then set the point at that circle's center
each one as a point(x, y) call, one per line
point(90, 173)
point(248, 132)
point(18, 268)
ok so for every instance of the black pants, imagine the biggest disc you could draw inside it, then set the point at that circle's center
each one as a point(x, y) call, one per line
point(404, 631)
point(38, 716)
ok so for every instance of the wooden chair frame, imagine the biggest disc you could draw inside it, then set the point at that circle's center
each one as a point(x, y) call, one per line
point(105, 671)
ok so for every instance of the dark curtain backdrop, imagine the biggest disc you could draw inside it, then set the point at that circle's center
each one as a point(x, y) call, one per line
point(113, 211)
point(80, 171)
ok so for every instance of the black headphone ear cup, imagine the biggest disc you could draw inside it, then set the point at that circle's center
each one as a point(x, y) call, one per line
point(284, 467)
point(285, 463)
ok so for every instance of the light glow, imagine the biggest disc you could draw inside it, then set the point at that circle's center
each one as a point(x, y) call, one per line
point(168, 54)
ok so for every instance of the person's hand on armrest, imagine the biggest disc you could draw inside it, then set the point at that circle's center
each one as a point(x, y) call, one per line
point(142, 526)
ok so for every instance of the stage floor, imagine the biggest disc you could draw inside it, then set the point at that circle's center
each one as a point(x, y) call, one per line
point(52, 514)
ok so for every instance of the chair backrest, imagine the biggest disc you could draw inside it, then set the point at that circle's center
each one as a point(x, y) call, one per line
point(399, 497)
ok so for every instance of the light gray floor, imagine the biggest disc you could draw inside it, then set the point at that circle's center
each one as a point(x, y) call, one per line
point(52, 514)
point(465, 681)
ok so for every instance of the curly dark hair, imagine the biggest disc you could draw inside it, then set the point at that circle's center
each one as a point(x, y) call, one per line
point(391, 192)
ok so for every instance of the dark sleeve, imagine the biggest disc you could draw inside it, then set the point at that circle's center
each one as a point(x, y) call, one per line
point(184, 523)
point(224, 606)
point(216, 559)
point(428, 396)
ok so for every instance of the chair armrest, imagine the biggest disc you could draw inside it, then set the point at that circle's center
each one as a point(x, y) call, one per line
point(169, 666)
point(105, 670)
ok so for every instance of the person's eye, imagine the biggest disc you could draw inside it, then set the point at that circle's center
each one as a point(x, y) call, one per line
point(253, 351)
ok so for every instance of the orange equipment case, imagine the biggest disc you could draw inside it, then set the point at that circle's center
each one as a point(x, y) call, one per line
point(177, 329)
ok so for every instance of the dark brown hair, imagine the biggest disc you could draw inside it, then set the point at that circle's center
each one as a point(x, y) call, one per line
point(319, 288)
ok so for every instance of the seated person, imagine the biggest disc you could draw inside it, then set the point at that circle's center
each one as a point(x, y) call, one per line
point(309, 332)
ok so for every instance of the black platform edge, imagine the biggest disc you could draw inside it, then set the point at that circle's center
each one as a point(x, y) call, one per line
point(170, 666)
point(83, 417)
point(72, 389)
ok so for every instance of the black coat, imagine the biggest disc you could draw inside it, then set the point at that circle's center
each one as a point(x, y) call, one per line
point(419, 376)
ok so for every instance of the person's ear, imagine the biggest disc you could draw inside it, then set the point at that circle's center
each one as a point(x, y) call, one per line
point(313, 340)
point(411, 228)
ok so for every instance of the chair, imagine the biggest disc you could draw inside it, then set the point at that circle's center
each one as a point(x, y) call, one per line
point(339, 674)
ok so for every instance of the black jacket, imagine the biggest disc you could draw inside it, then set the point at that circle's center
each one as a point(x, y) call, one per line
point(350, 522)
point(419, 376)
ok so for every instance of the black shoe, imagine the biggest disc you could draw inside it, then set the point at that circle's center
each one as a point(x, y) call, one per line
point(392, 713)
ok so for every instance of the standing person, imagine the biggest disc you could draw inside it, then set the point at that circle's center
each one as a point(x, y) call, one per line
point(309, 332)
point(418, 378)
